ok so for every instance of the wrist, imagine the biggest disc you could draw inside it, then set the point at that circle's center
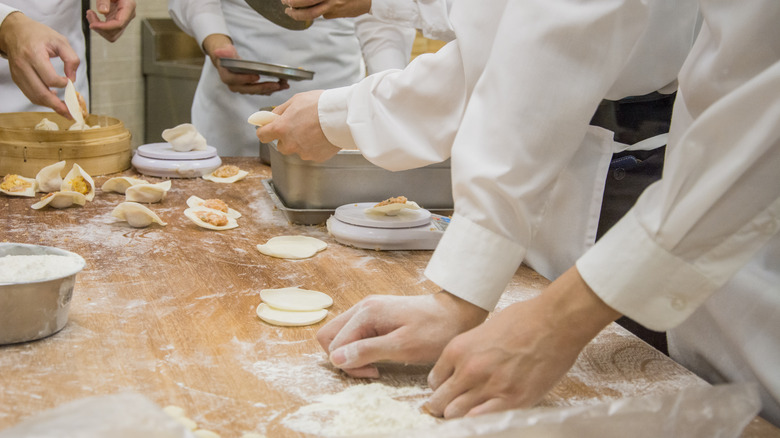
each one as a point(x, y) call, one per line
point(213, 42)
point(468, 315)
point(8, 26)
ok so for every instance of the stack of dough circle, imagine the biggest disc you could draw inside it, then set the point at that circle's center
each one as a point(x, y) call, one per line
point(293, 306)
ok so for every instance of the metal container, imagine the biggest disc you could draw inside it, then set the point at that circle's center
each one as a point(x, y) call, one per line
point(34, 310)
point(349, 177)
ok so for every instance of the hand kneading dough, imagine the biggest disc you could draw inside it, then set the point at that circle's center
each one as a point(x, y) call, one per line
point(295, 299)
point(289, 319)
point(292, 247)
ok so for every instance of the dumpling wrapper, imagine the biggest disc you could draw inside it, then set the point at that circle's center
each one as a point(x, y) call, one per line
point(26, 186)
point(194, 201)
point(262, 118)
point(119, 184)
point(71, 182)
point(74, 108)
point(137, 215)
point(49, 178)
point(185, 138)
point(292, 247)
point(296, 299)
point(147, 193)
point(191, 214)
point(61, 199)
point(231, 179)
point(47, 125)
point(393, 209)
point(289, 319)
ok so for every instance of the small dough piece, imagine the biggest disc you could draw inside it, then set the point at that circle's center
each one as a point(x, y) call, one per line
point(137, 215)
point(226, 174)
point(175, 411)
point(189, 423)
point(296, 299)
point(120, 184)
point(194, 201)
point(185, 138)
point(262, 118)
point(16, 185)
point(210, 218)
point(49, 178)
point(47, 125)
point(148, 193)
point(77, 180)
point(61, 199)
point(289, 319)
point(205, 433)
point(292, 247)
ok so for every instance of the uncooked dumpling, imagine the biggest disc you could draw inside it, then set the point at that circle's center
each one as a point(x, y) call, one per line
point(226, 174)
point(210, 218)
point(292, 247)
point(393, 206)
point(148, 193)
point(49, 178)
point(289, 319)
point(120, 184)
point(135, 214)
point(184, 138)
point(215, 204)
point(73, 103)
point(262, 118)
point(77, 180)
point(47, 125)
point(16, 185)
point(61, 199)
point(295, 299)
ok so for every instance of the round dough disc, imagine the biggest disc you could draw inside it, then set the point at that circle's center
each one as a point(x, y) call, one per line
point(289, 319)
point(296, 299)
point(292, 247)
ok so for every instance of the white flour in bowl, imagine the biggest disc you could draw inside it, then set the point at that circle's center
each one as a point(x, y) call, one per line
point(30, 268)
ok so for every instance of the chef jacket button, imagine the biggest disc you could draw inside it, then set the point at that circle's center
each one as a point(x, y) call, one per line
point(619, 173)
point(678, 303)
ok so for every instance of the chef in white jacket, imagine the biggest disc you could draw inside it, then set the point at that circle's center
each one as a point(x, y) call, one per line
point(43, 29)
point(332, 49)
point(699, 254)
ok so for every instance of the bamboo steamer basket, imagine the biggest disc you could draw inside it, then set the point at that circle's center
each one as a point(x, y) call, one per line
point(25, 151)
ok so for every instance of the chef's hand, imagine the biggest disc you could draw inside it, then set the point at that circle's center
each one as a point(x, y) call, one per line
point(298, 129)
point(307, 10)
point(221, 46)
point(516, 357)
point(29, 45)
point(409, 330)
point(118, 13)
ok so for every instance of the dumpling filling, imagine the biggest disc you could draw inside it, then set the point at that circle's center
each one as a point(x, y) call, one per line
point(14, 183)
point(81, 185)
point(215, 204)
point(226, 171)
point(213, 218)
point(395, 200)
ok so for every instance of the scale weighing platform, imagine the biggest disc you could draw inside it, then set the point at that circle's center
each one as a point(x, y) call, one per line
point(161, 160)
point(408, 230)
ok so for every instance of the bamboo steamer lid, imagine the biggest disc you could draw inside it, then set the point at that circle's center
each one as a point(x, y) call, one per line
point(25, 151)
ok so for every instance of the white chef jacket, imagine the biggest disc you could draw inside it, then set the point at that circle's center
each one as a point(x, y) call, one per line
point(64, 16)
point(431, 17)
point(330, 48)
point(513, 116)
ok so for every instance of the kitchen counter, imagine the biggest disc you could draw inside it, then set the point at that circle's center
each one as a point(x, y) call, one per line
point(169, 312)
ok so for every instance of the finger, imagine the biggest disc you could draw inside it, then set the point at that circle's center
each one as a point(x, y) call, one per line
point(266, 134)
point(301, 3)
point(441, 371)
point(306, 14)
point(366, 352)
point(491, 405)
point(443, 396)
point(366, 372)
point(103, 6)
point(464, 403)
point(329, 331)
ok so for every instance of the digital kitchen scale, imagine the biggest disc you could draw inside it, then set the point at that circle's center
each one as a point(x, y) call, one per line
point(161, 160)
point(408, 230)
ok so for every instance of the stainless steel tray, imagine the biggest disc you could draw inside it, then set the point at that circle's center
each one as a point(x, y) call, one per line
point(261, 68)
point(349, 177)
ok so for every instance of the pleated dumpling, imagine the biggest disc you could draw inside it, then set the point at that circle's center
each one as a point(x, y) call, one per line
point(120, 184)
point(184, 138)
point(135, 214)
point(61, 199)
point(215, 204)
point(49, 178)
point(210, 218)
point(226, 174)
point(77, 180)
point(47, 125)
point(148, 193)
point(16, 185)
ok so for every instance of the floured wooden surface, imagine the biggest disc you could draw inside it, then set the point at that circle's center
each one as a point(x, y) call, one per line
point(170, 312)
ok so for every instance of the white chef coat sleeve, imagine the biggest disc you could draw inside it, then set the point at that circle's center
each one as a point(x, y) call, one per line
point(716, 205)
point(384, 45)
point(198, 18)
point(431, 17)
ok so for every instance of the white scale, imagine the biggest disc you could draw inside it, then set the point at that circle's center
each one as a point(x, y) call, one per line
point(160, 159)
point(408, 230)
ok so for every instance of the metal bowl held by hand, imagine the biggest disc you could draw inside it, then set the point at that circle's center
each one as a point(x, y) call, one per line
point(273, 11)
point(35, 309)
point(244, 66)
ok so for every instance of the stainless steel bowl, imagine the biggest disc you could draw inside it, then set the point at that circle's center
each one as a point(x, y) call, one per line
point(34, 310)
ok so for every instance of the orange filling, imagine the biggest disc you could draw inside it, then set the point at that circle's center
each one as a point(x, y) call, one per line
point(14, 183)
point(215, 204)
point(79, 184)
point(213, 218)
point(226, 171)
point(396, 200)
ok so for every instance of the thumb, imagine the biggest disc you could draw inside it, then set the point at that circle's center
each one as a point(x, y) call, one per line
point(363, 352)
point(103, 6)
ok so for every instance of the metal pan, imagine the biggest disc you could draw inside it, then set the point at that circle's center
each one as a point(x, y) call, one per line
point(273, 11)
point(261, 68)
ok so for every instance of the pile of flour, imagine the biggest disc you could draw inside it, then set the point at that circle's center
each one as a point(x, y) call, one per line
point(30, 268)
point(361, 410)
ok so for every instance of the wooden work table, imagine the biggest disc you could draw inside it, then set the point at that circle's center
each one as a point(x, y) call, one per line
point(169, 312)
